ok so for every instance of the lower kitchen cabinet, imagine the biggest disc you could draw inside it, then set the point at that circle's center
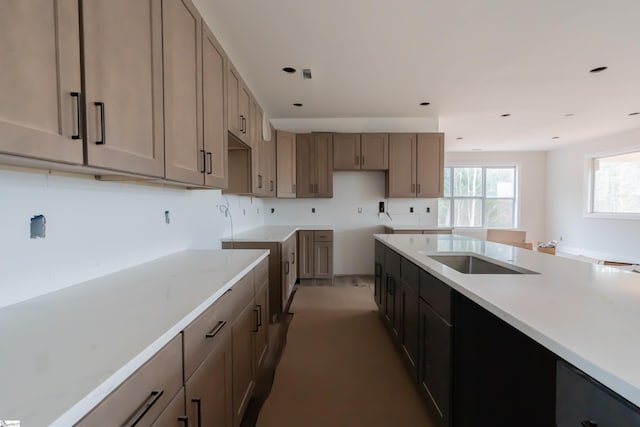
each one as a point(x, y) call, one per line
point(262, 316)
point(379, 290)
point(315, 254)
point(391, 280)
point(408, 314)
point(288, 257)
point(174, 414)
point(143, 397)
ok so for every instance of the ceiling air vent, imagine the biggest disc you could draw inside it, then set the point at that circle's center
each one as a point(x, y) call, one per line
point(306, 73)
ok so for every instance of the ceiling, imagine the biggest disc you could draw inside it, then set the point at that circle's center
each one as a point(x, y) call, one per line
point(472, 60)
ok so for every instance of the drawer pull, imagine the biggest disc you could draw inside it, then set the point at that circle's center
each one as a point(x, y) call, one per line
point(286, 267)
point(204, 162)
point(259, 315)
point(210, 162)
point(103, 139)
point(76, 95)
point(217, 329)
point(198, 401)
point(143, 409)
point(255, 310)
point(589, 423)
point(184, 420)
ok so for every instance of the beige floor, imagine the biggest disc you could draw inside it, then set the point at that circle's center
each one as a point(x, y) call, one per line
point(339, 366)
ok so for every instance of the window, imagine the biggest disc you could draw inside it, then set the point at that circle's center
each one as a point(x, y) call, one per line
point(615, 188)
point(478, 196)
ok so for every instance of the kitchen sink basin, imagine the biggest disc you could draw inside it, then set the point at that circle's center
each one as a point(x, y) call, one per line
point(469, 264)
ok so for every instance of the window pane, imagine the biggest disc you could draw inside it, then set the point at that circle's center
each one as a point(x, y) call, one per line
point(444, 212)
point(467, 212)
point(500, 182)
point(447, 182)
point(615, 184)
point(467, 182)
point(499, 212)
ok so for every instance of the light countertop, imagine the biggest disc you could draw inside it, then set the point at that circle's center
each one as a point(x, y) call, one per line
point(272, 233)
point(418, 227)
point(65, 351)
point(587, 314)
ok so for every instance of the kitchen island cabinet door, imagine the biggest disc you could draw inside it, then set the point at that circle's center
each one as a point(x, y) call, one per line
point(40, 84)
point(209, 389)
point(124, 85)
point(379, 279)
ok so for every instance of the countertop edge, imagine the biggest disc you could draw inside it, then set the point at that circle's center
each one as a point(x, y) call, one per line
point(294, 229)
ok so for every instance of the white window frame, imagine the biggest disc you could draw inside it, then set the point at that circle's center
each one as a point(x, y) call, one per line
point(485, 166)
point(589, 187)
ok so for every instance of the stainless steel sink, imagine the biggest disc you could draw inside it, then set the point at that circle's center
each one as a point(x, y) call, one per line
point(469, 264)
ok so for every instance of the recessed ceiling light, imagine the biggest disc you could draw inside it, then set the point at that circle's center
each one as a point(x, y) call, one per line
point(555, 137)
point(297, 104)
point(634, 114)
point(424, 104)
point(505, 115)
point(289, 70)
point(459, 138)
point(598, 69)
point(569, 115)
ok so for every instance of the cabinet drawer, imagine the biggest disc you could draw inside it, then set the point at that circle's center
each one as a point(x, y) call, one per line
point(410, 274)
point(323, 235)
point(204, 333)
point(580, 399)
point(243, 293)
point(436, 294)
point(145, 394)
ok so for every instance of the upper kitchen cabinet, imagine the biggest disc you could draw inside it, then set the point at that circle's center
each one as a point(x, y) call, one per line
point(314, 165)
point(122, 46)
point(258, 153)
point(416, 165)
point(185, 158)
point(238, 101)
point(40, 85)
point(286, 164)
point(367, 151)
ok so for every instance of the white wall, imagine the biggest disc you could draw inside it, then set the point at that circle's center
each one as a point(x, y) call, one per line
point(609, 239)
point(532, 178)
point(353, 241)
point(94, 228)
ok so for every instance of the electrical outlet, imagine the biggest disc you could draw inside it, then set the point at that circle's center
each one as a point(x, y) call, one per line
point(38, 227)
point(313, 210)
point(359, 210)
point(167, 217)
point(428, 209)
point(381, 207)
point(273, 210)
point(411, 209)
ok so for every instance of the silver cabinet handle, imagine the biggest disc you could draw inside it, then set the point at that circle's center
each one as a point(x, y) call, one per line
point(212, 333)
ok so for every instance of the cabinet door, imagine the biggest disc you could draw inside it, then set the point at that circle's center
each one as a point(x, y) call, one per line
point(40, 63)
point(305, 255)
point(257, 155)
point(346, 151)
point(434, 373)
point(262, 333)
point(305, 166)
point(208, 390)
point(286, 164)
point(272, 175)
point(379, 288)
point(185, 158)
point(287, 270)
point(392, 273)
point(213, 109)
point(234, 121)
point(243, 331)
point(123, 80)
point(244, 102)
point(174, 414)
point(401, 178)
point(374, 151)
point(324, 162)
point(323, 260)
point(410, 315)
point(430, 165)
point(293, 257)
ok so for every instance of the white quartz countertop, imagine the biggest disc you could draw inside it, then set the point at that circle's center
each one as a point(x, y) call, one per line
point(587, 314)
point(418, 227)
point(272, 233)
point(63, 352)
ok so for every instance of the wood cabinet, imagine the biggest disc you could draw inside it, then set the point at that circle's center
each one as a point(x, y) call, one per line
point(238, 104)
point(243, 335)
point(286, 164)
point(408, 314)
point(315, 254)
point(314, 165)
point(145, 394)
point(174, 414)
point(416, 165)
point(262, 315)
point(289, 255)
point(379, 290)
point(122, 45)
point(391, 230)
point(367, 151)
point(40, 85)
point(257, 149)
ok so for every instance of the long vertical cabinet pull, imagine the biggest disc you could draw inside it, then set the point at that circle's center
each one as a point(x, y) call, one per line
point(198, 403)
point(255, 310)
point(76, 95)
point(209, 162)
point(184, 420)
point(259, 315)
point(143, 409)
point(103, 139)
